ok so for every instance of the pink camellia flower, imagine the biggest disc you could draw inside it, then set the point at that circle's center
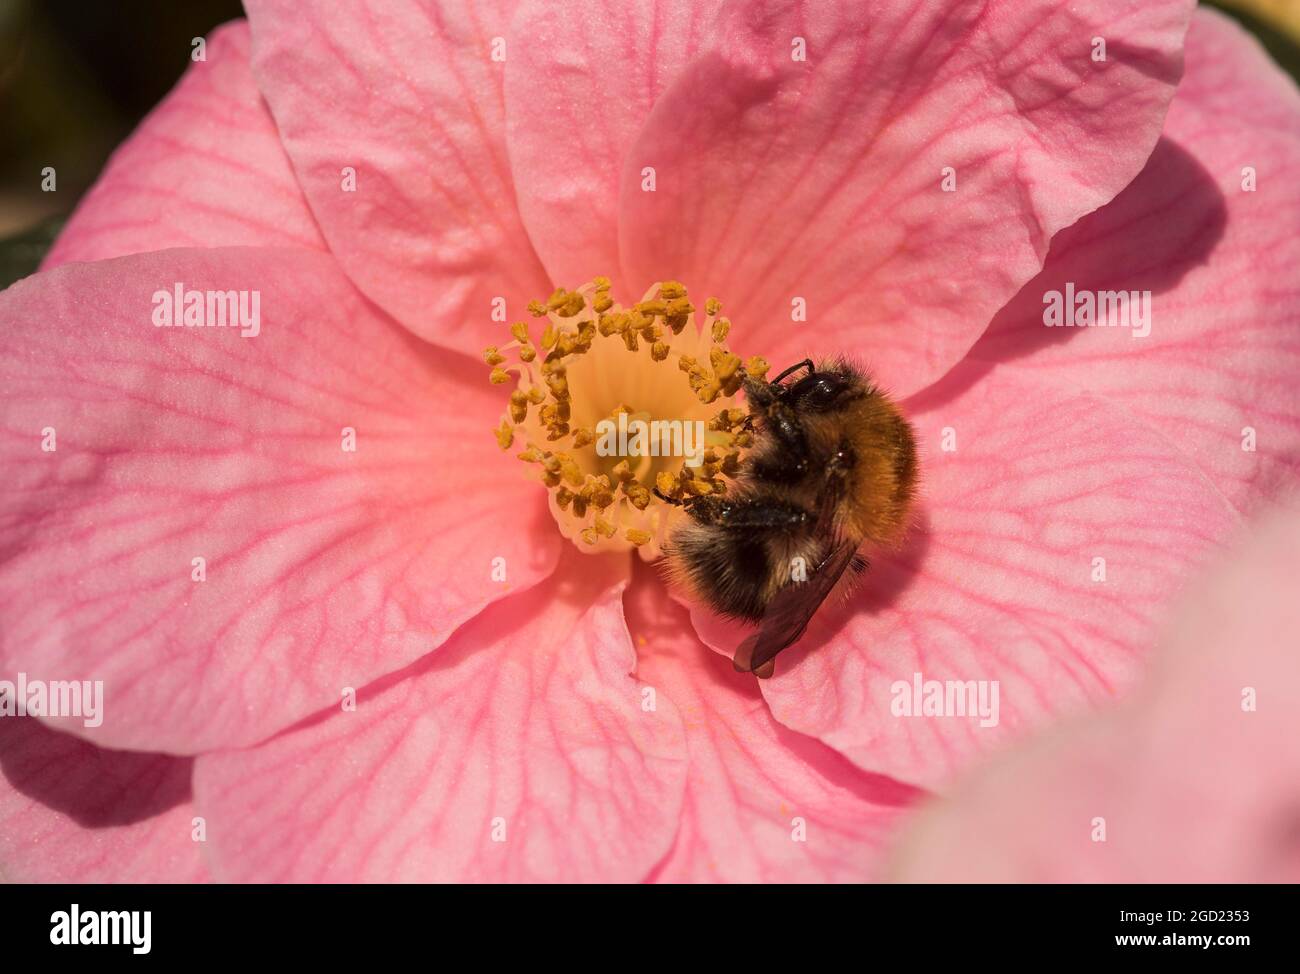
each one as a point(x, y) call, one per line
point(343, 636)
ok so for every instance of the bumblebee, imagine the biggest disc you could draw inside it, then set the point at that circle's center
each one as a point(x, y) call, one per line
point(831, 475)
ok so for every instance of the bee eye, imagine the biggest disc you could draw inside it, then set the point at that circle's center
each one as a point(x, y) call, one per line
point(819, 392)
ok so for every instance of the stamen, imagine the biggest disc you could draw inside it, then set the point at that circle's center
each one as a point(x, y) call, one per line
point(595, 363)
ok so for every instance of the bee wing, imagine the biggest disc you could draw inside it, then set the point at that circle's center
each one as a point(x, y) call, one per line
point(787, 615)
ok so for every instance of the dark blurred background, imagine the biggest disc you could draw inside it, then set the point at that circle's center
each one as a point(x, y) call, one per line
point(76, 76)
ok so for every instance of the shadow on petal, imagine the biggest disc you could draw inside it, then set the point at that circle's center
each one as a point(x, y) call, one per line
point(95, 787)
point(1165, 224)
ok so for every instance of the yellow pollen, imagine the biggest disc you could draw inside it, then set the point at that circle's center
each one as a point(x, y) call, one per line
point(597, 367)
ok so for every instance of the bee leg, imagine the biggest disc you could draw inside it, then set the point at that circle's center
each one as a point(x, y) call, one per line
point(745, 514)
point(758, 514)
point(685, 502)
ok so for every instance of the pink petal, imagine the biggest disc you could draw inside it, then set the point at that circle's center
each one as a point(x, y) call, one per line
point(204, 169)
point(1223, 349)
point(324, 568)
point(778, 180)
point(526, 725)
point(577, 94)
point(73, 813)
point(763, 804)
point(1193, 786)
point(405, 94)
point(996, 584)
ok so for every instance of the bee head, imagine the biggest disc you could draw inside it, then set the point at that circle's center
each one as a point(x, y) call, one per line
point(822, 392)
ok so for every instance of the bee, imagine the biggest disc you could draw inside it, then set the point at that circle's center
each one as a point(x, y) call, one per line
point(831, 475)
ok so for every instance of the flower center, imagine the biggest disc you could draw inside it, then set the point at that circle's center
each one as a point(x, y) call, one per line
point(624, 411)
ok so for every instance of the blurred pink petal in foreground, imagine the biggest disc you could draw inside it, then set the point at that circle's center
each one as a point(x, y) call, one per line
point(1194, 778)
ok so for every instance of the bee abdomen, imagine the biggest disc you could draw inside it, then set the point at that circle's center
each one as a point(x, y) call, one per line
point(729, 570)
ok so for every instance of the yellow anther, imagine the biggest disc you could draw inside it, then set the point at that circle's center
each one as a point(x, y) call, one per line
point(757, 366)
point(679, 312)
point(520, 330)
point(582, 437)
point(652, 308)
point(602, 302)
point(499, 377)
point(571, 473)
point(638, 496)
point(659, 351)
point(505, 435)
point(589, 535)
point(563, 498)
point(692, 485)
point(559, 386)
point(566, 304)
point(574, 303)
point(549, 335)
point(532, 455)
point(725, 365)
point(537, 309)
point(637, 536)
point(672, 289)
point(493, 357)
point(597, 492)
point(604, 527)
point(712, 306)
point(720, 329)
point(518, 406)
point(527, 353)
point(666, 483)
